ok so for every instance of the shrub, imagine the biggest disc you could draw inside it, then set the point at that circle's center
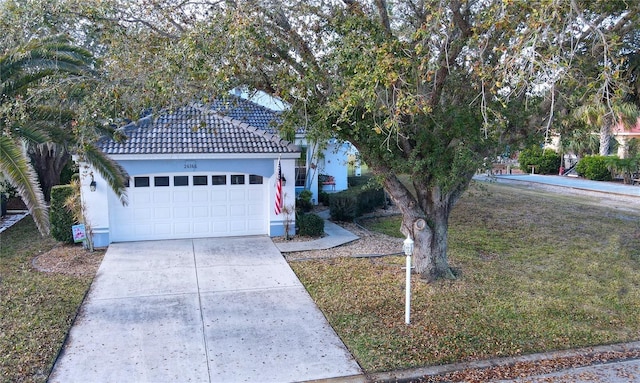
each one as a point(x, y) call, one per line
point(60, 217)
point(303, 202)
point(324, 198)
point(594, 168)
point(342, 207)
point(310, 225)
point(352, 203)
point(545, 161)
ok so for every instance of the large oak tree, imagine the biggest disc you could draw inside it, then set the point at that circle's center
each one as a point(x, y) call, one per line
point(424, 89)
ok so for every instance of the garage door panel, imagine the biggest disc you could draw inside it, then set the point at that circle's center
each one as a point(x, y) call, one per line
point(162, 197)
point(181, 213)
point(142, 214)
point(200, 211)
point(255, 210)
point(143, 230)
point(238, 226)
point(201, 227)
point(237, 211)
point(162, 213)
point(255, 194)
point(200, 195)
point(188, 211)
point(219, 195)
point(220, 227)
point(181, 197)
point(255, 225)
point(141, 198)
point(162, 228)
point(237, 194)
point(182, 228)
point(219, 213)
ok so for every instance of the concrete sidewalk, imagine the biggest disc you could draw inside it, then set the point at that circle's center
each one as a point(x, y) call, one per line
point(201, 310)
point(571, 182)
point(334, 236)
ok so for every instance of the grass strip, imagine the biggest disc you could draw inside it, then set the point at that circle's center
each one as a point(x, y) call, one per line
point(36, 309)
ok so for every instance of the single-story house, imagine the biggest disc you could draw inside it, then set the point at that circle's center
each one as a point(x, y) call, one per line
point(192, 173)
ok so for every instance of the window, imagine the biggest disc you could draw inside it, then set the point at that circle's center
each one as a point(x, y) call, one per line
point(218, 180)
point(180, 180)
point(301, 168)
point(199, 180)
point(237, 179)
point(160, 181)
point(127, 182)
point(255, 180)
point(141, 182)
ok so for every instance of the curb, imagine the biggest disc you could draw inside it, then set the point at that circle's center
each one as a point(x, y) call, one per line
point(421, 372)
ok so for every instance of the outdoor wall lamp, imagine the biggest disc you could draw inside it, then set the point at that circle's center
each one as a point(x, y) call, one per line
point(92, 185)
point(407, 247)
point(284, 181)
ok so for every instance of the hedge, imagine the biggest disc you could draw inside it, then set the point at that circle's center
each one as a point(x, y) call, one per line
point(545, 161)
point(350, 204)
point(594, 168)
point(310, 225)
point(60, 218)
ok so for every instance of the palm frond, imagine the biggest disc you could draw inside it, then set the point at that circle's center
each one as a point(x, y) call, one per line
point(18, 170)
point(111, 171)
point(628, 114)
point(31, 133)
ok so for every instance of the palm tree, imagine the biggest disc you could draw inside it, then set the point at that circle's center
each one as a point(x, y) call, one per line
point(23, 69)
point(604, 118)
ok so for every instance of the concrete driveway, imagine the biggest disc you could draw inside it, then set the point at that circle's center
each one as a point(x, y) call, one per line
point(201, 310)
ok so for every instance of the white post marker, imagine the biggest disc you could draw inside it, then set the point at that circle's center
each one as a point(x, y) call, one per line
point(407, 247)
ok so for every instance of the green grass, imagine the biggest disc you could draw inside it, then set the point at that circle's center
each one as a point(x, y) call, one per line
point(540, 272)
point(36, 309)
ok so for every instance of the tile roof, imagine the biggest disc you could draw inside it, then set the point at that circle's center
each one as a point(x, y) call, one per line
point(191, 130)
point(248, 112)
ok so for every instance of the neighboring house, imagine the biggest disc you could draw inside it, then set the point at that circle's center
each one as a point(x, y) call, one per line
point(193, 173)
point(624, 135)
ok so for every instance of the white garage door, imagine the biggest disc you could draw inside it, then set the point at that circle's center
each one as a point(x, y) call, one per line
point(193, 205)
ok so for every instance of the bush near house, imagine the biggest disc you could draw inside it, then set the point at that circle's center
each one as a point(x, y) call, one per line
point(310, 225)
point(545, 161)
point(60, 217)
point(594, 168)
point(324, 198)
point(350, 204)
point(303, 201)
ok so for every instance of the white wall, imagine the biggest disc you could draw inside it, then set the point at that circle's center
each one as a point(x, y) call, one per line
point(96, 204)
point(277, 222)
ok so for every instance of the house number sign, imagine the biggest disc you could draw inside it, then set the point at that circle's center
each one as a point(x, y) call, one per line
point(190, 165)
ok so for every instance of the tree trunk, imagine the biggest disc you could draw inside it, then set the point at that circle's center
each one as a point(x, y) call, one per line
point(427, 223)
point(48, 161)
point(605, 139)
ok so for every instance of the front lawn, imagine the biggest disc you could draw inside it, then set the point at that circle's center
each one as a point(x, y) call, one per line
point(540, 272)
point(36, 309)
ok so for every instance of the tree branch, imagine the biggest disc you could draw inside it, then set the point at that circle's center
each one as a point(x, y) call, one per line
point(384, 15)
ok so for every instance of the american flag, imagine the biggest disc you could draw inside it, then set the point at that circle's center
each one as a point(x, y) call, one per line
point(278, 207)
